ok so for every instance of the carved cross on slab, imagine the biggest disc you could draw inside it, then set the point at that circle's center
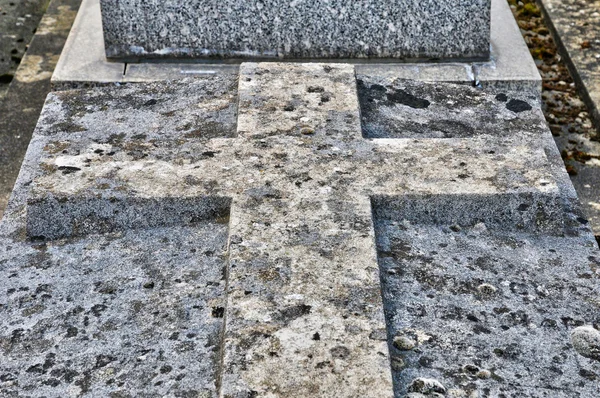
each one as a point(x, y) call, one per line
point(303, 315)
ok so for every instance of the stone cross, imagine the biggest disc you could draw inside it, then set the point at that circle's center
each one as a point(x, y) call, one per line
point(303, 315)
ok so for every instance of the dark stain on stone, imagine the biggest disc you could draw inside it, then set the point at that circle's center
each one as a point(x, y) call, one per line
point(502, 97)
point(98, 309)
point(518, 106)
point(149, 285)
point(450, 128)
point(340, 352)
point(218, 312)
point(404, 98)
point(426, 362)
point(289, 314)
point(6, 78)
point(35, 369)
point(166, 369)
point(588, 374)
point(51, 382)
point(72, 331)
point(103, 360)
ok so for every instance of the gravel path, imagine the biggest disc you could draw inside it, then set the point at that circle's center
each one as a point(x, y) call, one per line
point(18, 22)
point(564, 109)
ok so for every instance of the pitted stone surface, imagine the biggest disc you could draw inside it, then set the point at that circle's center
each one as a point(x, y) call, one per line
point(303, 313)
point(397, 108)
point(105, 316)
point(490, 311)
point(296, 29)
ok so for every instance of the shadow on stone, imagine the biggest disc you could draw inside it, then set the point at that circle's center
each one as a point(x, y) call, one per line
point(52, 218)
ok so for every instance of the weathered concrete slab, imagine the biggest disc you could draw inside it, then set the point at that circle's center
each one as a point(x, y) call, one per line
point(104, 316)
point(436, 112)
point(484, 311)
point(575, 27)
point(97, 313)
point(318, 212)
point(309, 29)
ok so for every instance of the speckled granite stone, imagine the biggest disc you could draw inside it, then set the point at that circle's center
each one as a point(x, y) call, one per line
point(296, 29)
point(486, 267)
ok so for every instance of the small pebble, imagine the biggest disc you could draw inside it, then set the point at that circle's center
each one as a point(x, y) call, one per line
point(456, 228)
point(486, 289)
point(586, 341)
point(307, 131)
point(426, 386)
point(484, 374)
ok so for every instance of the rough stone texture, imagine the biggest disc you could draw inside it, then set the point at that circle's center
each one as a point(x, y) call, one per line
point(490, 311)
point(297, 29)
point(397, 108)
point(318, 212)
point(104, 316)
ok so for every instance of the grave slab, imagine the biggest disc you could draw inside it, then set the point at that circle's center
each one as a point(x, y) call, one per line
point(322, 219)
point(306, 29)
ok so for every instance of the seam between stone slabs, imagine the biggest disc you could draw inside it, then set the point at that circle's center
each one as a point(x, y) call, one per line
point(223, 333)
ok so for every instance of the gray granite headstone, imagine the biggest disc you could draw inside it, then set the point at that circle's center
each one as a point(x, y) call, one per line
point(296, 29)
